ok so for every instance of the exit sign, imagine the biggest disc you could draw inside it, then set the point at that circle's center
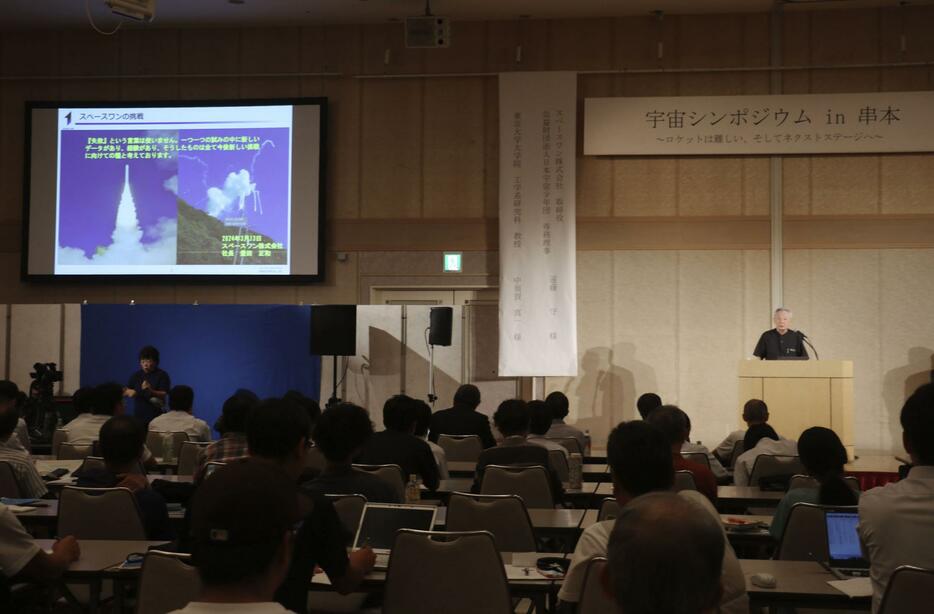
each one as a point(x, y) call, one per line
point(452, 262)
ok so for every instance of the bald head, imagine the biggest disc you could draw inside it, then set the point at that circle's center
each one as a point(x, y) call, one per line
point(665, 555)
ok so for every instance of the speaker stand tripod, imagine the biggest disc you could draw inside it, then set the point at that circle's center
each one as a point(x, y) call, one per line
point(333, 400)
point(432, 397)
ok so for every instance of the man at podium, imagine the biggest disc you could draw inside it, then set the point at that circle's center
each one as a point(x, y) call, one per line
point(781, 343)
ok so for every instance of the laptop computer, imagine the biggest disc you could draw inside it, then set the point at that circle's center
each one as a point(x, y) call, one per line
point(846, 557)
point(380, 521)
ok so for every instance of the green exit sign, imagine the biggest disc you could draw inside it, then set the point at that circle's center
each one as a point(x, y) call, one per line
point(452, 262)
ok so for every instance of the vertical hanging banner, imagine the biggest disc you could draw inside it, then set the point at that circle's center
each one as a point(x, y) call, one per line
point(537, 242)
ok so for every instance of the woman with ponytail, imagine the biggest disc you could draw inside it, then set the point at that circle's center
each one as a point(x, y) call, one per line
point(823, 455)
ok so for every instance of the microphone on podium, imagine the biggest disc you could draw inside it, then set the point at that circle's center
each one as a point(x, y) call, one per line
point(808, 341)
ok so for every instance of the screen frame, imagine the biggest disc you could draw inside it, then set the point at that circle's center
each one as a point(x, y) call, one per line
point(320, 101)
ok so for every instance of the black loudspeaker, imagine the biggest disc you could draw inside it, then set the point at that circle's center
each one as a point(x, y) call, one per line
point(440, 331)
point(334, 330)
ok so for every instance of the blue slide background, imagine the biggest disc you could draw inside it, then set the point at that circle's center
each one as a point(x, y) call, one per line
point(215, 349)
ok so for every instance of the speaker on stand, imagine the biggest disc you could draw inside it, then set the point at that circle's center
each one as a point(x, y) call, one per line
point(334, 333)
point(439, 333)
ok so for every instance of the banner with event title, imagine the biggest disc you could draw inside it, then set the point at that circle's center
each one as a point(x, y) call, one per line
point(779, 124)
point(537, 242)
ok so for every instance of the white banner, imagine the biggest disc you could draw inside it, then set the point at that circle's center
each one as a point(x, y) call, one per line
point(734, 125)
point(537, 242)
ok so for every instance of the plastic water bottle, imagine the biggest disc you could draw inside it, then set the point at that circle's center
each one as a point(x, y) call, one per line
point(587, 444)
point(413, 491)
point(168, 448)
point(575, 471)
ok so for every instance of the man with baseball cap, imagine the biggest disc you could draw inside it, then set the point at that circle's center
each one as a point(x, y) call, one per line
point(242, 524)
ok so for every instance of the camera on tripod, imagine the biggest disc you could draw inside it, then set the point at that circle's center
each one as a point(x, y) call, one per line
point(45, 374)
point(41, 414)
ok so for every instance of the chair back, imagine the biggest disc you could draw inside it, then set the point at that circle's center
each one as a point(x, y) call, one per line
point(432, 576)
point(806, 481)
point(559, 462)
point(392, 474)
point(461, 448)
point(80, 511)
point(9, 485)
point(570, 443)
point(74, 451)
point(909, 590)
point(697, 457)
point(806, 533)
point(738, 448)
point(210, 468)
point(593, 599)
point(92, 463)
point(349, 509)
point(189, 456)
point(314, 459)
point(684, 480)
point(609, 509)
point(156, 443)
point(58, 437)
point(504, 516)
point(772, 470)
point(167, 582)
point(530, 483)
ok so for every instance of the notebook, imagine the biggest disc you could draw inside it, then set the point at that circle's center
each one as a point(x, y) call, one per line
point(380, 521)
point(843, 544)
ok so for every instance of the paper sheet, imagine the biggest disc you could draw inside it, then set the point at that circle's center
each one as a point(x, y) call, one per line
point(853, 587)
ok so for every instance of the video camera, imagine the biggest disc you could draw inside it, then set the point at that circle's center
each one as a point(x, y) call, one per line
point(46, 374)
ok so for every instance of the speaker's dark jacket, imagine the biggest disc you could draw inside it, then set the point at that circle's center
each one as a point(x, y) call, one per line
point(391, 447)
point(461, 421)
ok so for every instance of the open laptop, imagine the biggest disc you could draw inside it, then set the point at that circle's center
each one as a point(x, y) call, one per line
point(380, 521)
point(846, 557)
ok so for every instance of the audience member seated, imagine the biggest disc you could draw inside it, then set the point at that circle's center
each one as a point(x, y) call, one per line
point(755, 411)
point(22, 560)
point(277, 432)
point(463, 418)
point(896, 521)
point(673, 422)
point(11, 396)
point(760, 439)
point(340, 434)
point(232, 426)
point(29, 480)
point(242, 523)
point(179, 418)
point(422, 421)
point(665, 555)
point(398, 445)
point(716, 468)
point(646, 403)
point(106, 402)
point(823, 455)
point(539, 423)
point(121, 445)
point(512, 419)
point(559, 406)
point(310, 405)
point(640, 460)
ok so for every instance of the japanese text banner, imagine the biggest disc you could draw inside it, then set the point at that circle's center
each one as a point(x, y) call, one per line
point(779, 124)
point(537, 242)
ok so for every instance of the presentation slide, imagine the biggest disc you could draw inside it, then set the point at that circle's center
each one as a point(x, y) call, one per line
point(175, 190)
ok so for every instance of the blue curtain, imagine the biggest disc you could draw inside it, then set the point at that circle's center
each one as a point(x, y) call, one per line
point(215, 349)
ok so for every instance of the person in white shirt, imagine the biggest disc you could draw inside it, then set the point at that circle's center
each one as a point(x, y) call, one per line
point(22, 560)
point(664, 531)
point(106, 402)
point(539, 425)
point(560, 407)
point(27, 478)
point(422, 422)
point(179, 418)
point(242, 521)
point(698, 448)
point(640, 460)
point(11, 397)
point(755, 411)
point(760, 439)
point(896, 521)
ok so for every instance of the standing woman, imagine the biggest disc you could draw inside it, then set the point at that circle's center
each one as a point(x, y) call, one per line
point(148, 387)
point(823, 455)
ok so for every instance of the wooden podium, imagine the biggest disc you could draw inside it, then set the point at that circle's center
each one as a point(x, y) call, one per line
point(801, 394)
